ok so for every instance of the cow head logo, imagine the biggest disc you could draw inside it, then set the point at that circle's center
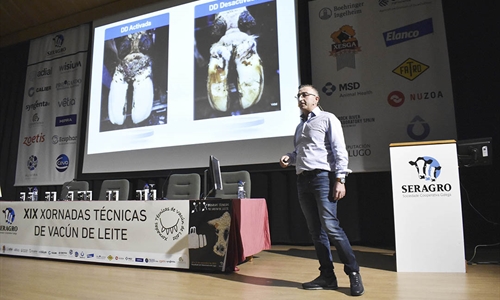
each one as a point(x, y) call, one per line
point(428, 168)
point(9, 215)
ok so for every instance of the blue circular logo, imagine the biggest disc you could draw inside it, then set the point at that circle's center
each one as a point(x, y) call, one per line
point(32, 162)
point(62, 163)
point(418, 129)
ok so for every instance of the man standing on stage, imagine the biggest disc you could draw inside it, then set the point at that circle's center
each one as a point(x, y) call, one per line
point(320, 158)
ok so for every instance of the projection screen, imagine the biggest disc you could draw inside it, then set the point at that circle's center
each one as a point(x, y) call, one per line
point(172, 85)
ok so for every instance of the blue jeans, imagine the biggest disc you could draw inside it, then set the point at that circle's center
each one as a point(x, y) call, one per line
point(320, 210)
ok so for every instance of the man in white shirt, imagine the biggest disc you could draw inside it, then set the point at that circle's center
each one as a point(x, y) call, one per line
point(320, 158)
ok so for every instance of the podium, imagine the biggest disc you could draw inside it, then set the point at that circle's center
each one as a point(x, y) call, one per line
point(427, 207)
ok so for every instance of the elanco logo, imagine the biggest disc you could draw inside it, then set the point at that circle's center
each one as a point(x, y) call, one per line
point(408, 32)
point(428, 169)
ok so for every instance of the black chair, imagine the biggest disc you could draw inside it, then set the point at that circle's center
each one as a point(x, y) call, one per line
point(121, 185)
point(184, 187)
point(75, 187)
point(230, 184)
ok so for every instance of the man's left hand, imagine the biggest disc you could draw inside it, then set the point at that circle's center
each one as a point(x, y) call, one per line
point(338, 191)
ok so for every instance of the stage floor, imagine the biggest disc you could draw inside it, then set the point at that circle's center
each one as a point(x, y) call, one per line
point(271, 274)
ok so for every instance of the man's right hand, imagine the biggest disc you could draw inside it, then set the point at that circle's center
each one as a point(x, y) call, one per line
point(284, 161)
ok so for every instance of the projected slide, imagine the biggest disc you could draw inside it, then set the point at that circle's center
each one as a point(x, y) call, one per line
point(236, 63)
point(196, 78)
point(134, 81)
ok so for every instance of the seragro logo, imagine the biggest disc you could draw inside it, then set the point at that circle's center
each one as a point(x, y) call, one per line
point(62, 163)
point(9, 215)
point(428, 170)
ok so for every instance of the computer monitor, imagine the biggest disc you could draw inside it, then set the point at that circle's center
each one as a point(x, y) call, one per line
point(212, 179)
point(475, 152)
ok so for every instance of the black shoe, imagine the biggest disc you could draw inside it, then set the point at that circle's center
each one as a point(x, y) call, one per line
point(321, 283)
point(357, 288)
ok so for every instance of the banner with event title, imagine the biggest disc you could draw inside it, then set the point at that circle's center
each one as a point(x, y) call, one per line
point(53, 96)
point(382, 68)
point(185, 234)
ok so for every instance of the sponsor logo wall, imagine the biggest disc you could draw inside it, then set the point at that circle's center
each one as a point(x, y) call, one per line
point(382, 68)
point(52, 108)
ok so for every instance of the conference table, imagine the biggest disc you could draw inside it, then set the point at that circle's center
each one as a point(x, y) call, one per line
point(213, 235)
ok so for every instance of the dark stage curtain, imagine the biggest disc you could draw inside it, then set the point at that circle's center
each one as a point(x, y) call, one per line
point(13, 62)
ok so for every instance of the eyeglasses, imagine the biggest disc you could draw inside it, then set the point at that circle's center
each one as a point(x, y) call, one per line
point(303, 95)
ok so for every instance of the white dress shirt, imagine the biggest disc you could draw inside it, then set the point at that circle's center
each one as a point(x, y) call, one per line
point(319, 144)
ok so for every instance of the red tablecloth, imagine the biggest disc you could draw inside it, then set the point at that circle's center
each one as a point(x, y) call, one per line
point(249, 233)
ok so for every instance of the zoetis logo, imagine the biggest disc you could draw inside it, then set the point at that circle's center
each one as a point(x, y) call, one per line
point(169, 224)
point(428, 170)
point(35, 139)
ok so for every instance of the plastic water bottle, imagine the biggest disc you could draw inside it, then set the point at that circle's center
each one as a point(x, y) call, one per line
point(146, 191)
point(241, 190)
point(35, 194)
